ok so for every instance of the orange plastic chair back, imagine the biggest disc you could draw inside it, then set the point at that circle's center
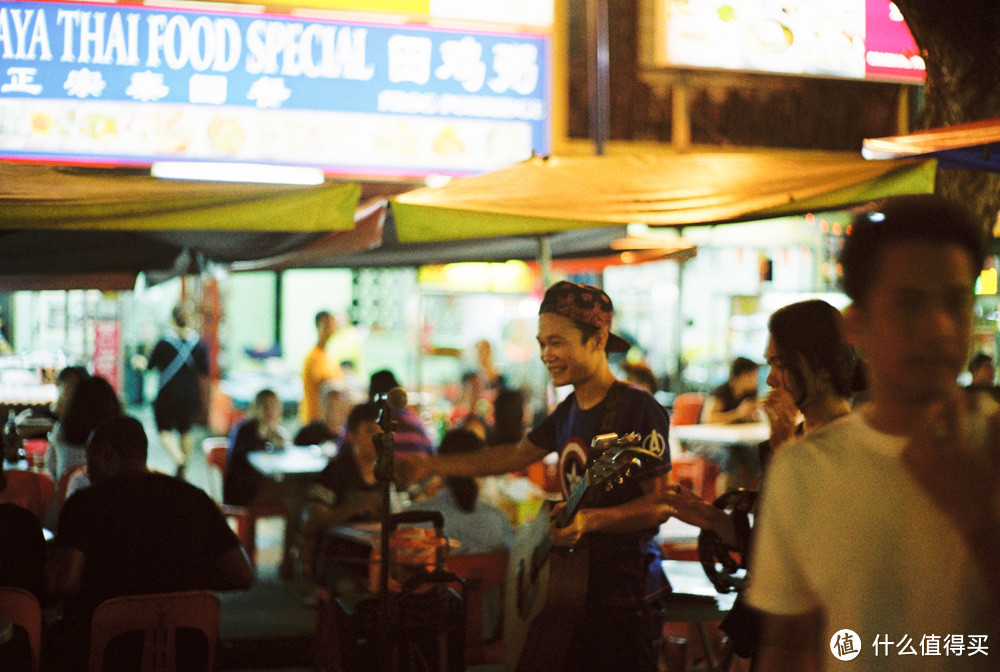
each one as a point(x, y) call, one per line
point(697, 474)
point(33, 490)
point(220, 410)
point(214, 448)
point(22, 608)
point(245, 517)
point(482, 573)
point(158, 617)
point(687, 408)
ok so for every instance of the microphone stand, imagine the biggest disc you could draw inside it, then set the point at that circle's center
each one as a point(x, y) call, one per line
point(385, 474)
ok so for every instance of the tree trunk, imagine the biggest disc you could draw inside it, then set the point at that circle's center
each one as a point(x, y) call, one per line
point(959, 41)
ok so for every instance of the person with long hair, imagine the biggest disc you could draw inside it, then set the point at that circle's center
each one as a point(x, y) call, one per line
point(91, 402)
point(814, 373)
point(478, 526)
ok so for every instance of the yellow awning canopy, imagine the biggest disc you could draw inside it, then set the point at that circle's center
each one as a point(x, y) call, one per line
point(545, 195)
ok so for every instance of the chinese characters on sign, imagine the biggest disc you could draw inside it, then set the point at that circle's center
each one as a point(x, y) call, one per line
point(932, 645)
point(136, 84)
point(846, 645)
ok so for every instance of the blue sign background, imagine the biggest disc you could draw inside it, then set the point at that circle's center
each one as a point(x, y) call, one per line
point(362, 68)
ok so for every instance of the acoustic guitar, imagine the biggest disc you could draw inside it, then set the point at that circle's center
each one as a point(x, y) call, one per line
point(546, 586)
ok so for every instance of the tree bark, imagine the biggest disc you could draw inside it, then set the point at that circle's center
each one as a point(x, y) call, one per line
point(959, 41)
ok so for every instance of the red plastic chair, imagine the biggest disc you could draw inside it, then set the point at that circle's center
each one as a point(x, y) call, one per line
point(22, 608)
point(158, 617)
point(696, 474)
point(687, 408)
point(33, 490)
point(245, 517)
point(482, 572)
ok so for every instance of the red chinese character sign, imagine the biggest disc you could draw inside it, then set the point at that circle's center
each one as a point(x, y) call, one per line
point(108, 352)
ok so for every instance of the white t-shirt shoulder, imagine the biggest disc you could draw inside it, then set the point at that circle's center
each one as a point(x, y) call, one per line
point(843, 528)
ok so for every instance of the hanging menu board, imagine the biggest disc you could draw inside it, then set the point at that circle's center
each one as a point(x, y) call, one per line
point(858, 39)
point(133, 84)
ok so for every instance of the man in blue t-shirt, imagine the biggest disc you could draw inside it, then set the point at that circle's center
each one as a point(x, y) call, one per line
point(620, 624)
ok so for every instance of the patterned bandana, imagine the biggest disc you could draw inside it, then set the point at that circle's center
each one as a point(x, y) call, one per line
point(585, 304)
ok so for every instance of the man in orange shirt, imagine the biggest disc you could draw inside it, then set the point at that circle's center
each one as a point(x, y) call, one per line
point(318, 368)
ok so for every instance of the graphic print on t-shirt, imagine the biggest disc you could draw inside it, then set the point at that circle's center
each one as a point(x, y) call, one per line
point(572, 464)
point(573, 458)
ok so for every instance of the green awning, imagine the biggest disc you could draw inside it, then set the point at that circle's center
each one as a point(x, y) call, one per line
point(47, 197)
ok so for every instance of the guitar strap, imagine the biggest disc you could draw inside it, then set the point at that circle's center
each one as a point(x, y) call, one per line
point(609, 414)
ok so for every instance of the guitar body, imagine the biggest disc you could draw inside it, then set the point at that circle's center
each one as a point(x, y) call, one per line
point(541, 606)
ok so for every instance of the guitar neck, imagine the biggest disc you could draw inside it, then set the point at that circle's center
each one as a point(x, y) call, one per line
point(562, 520)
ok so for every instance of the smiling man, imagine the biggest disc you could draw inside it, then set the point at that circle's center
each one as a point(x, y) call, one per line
point(878, 546)
point(620, 624)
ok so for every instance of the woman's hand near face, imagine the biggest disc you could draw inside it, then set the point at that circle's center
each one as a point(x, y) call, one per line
point(782, 414)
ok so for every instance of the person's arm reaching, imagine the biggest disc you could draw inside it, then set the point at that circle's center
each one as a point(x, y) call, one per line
point(484, 462)
point(680, 503)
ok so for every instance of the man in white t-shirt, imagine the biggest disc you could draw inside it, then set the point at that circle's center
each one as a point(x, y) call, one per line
point(878, 537)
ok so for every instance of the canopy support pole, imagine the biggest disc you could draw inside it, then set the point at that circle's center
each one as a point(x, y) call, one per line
point(680, 134)
point(279, 292)
point(598, 72)
point(545, 260)
point(421, 330)
point(679, 322)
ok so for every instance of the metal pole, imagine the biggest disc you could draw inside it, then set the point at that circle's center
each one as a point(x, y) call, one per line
point(545, 260)
point(680, 136)
point(678, 341)
point(279, 302)
point(598, 72)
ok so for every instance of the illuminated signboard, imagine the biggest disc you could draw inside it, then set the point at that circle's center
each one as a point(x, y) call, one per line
point(536, 13)
point(133, 84)
point(860, 39)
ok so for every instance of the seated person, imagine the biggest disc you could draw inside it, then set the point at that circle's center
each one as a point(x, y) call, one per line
point(66, 383)
point(260, 430)
point(22, 565)
point(410, 434)
point(478, 526)
point(736, 399)
point(509, 414)
point(641, 375)
point(91, 402)
point(732, 402)
point(134, 532)
point(22, 553)
point(245, 486)
point(334, 405)
point(472, 401)
point(476, 425)
point(346, 491)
